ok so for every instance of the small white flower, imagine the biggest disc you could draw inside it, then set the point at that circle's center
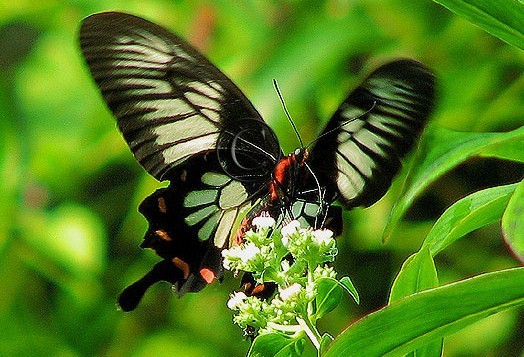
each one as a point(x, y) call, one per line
point(235, 300)
point(284, 264)
point(231, 257)
point(311, 290)
point(290, 291)
point(288, 230)
point(248, 252)
point(263, 221)
point(323, 236)
point(237, 257)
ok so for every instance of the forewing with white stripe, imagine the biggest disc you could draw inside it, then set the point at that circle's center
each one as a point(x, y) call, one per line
point(359, 150)
point(170, 101)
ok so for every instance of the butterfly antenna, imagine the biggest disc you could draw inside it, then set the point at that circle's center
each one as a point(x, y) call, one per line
point(344, 123)
point(275, 84)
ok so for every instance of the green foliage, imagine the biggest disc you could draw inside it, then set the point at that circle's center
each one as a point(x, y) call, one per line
point(513, 224)
point(445, 149)
point(504, 19)
point(69, 229)
point(419, 319)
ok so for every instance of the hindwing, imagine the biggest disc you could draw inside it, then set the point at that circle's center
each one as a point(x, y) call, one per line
point(190, 221)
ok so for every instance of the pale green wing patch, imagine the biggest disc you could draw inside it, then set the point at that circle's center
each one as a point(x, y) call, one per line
point(213, 209)
point(215, 179)
point(199, 198)
point(232, 195)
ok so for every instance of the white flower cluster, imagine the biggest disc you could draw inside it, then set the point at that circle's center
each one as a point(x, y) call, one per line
point(253, 254)
point(279, 311)
point(282, 257)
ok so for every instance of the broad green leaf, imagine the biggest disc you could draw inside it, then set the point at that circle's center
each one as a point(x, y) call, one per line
point(417, 273)
point(433, 349)
point(444, 149)
point(513, 222)
point(501, 18)
point(275, 344)
point(468, 214)
point(424, 317)
point(472, 212)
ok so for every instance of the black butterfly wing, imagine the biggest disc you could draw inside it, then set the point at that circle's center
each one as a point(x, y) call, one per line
point(170, 102)
point(359, 151)
point(189, 222)
point(185, 122)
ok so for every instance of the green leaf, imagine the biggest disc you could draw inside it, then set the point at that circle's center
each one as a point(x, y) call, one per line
point(424, 317)
point(433, 349)
point(329, 294)
point(511, 150)
point(468, 214)
point(472, 212)
point(325, 341)
point(501, 18)
point(417, 273)
point(276, 344)
point(443, 149)
point(347, 284)
point(513, 222)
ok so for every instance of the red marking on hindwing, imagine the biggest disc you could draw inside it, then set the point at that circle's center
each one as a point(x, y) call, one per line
point(163, 235)
point(162, 207)
point(182, 265)
point(208, 275)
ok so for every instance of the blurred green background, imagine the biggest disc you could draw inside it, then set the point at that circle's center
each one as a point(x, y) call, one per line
point(69, 227)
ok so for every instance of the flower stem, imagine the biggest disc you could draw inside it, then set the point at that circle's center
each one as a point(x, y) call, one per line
point(311, 332)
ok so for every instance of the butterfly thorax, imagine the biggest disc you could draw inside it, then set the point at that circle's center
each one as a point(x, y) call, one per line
point(286, 176)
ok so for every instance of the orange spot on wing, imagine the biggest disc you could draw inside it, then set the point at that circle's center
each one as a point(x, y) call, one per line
point(182, 265)
point(208, 275)
point(162, 205)
point(258, 289)
point(163, 235)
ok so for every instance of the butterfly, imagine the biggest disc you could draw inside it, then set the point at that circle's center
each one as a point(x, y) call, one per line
point(187, 123)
